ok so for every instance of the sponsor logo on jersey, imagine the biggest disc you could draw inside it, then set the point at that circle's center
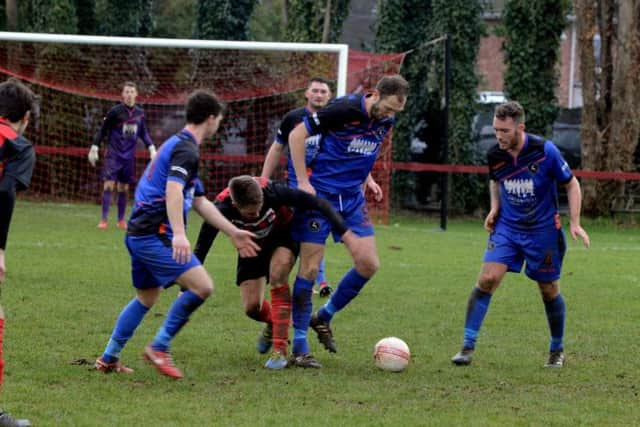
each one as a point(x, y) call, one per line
point(314, 116)
point(362, 146)
point(129, 129)
point(313, 142)
point(519, 187)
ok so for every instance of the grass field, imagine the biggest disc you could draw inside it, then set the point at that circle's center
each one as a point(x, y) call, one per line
point(67, 282)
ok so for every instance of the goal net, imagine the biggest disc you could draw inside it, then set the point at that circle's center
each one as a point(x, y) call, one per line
point(78, 79)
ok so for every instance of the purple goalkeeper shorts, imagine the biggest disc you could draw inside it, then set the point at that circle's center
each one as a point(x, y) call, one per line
point(119, 170)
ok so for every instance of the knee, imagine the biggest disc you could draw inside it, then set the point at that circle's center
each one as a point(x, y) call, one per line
point(203, 290)
point(279, 273)
point(367, 266)
point(487, 282)
point(252, 309)
point(549, 291)
point(309, 272)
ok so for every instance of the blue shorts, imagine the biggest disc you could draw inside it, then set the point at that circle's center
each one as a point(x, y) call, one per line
point(152, 263)
point(314, 227)
point(116, 169)
point(542, 250)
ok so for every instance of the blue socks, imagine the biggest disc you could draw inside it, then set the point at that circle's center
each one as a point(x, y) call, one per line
point(301, 314)
point(347, 289)
point(177, 317)
point(477, 307)
point(129, 319)
point(555, 310)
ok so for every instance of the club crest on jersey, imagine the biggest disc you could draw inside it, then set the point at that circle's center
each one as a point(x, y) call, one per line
point(491, 245)
point(533, 168)
point(314, 226)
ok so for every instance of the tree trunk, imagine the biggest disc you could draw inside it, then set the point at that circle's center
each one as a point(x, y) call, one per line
point(12, 15)
point(326, 26)
point(625, 126)
point(285, 13)
point(589, 129)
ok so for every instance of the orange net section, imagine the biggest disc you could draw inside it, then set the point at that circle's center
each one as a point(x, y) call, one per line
point(77, 84)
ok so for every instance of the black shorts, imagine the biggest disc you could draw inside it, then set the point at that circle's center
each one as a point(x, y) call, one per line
point(258, 266)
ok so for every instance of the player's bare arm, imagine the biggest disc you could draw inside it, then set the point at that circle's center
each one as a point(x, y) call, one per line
point(297, 146)
point(180, 243)
point(494, 212)
point(574, 196)
point(272, 159)
point(374, 187)
point(241, 239)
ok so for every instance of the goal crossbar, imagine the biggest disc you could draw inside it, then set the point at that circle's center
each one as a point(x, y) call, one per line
point(341, 49)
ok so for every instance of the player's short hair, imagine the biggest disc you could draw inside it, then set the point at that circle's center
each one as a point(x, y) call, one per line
point(511, 109)
point(318, 79)
point(201, 104)
point(129, 83)
point(15, 100)
point(245, 191)
point(393, 85)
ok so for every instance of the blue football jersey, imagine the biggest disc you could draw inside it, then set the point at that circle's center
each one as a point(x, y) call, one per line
point(312, 143)
point(177, 160)
point(528, 184)
point(349, 144)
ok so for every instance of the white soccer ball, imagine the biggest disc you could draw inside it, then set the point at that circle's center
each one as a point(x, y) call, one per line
point(391, 354)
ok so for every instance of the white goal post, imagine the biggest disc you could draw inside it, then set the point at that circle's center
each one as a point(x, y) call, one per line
point(341, 49)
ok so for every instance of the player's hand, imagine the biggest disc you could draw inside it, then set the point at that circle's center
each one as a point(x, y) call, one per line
point(152, 151)
point(373, 186)
point(490, 221)
point(577, 231)
point(307, 187)
point(3, 268)
point(243, 241)
point(93, 155)
point(181, 248)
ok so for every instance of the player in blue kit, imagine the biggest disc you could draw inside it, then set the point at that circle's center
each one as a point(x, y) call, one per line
point(18, 158)
point(124, 124)
point(524, 225)
point(157, 242)
point(352, 129)
point(317, 94)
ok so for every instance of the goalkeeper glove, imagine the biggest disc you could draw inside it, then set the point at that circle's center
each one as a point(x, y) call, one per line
point(93, 155)
point(152, 151)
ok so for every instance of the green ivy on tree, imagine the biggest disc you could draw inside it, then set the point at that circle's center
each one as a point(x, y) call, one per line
point(424, 69)
point(306, 19)
point(532, 31)
point(224, 19)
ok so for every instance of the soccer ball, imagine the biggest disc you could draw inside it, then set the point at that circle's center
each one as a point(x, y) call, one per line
point(391, 354)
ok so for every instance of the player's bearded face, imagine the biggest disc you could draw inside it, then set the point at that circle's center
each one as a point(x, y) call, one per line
point(387, 107)
point(507, 133)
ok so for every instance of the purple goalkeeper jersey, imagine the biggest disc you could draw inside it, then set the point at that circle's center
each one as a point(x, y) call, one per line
point(124, 125)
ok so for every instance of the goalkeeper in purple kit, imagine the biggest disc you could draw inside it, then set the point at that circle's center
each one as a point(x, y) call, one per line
point(124, 124)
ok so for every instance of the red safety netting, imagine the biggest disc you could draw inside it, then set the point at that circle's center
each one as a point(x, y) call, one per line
point(77, 84)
